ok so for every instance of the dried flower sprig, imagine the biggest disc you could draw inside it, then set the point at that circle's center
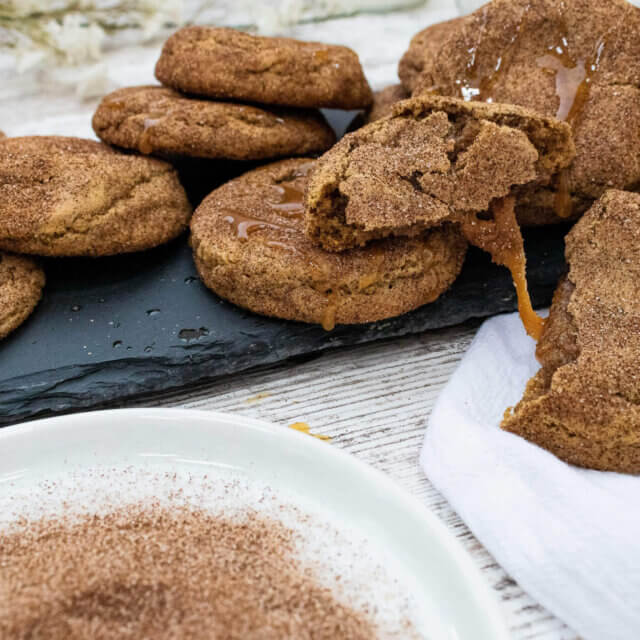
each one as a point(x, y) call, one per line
point(54, 33)
point(73, 31)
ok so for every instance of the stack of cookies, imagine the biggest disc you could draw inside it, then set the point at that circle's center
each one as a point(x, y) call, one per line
point(230, 95)
point(378, 225)
point(73, 197)
point(249, 235)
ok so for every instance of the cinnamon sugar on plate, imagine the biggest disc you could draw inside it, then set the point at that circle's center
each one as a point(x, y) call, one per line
point(158, 572)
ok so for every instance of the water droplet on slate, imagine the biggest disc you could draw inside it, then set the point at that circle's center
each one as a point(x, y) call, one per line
point(76, 307)
point(117, 344)
point(193, 334)
point(153, 312)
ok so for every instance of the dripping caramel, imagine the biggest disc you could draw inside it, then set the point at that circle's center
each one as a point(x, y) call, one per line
point(502, 239)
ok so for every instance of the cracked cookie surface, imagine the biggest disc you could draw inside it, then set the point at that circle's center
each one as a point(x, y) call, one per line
point(225, 63)
point(583, 405)
point(576, 60)
point(159, 121)
point(21, 283)
point(250, 248)
point(75, 197)
point(433, 160)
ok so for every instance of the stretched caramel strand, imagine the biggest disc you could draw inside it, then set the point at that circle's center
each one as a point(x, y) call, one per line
point(502, 239)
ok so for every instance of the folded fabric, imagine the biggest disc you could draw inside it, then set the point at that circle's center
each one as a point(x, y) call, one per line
point(569, 536)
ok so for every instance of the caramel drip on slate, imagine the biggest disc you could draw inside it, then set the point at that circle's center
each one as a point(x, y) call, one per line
point(502, 239)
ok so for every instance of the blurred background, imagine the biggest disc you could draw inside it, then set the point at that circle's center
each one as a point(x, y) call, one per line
point(57, 57)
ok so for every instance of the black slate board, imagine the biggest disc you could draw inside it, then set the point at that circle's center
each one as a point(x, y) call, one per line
point(118, 327)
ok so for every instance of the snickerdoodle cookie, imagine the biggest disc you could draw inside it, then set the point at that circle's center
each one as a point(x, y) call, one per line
point(433, 160)
point(74, 197)
point(425, 48)
point(384, 100)
point(225, 63)
point(575, 60)
point(21, 283)
point(583, 405)
point(160, 121)
point(250, 248)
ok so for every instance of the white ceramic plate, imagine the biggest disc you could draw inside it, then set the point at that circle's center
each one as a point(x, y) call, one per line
point(452, 591)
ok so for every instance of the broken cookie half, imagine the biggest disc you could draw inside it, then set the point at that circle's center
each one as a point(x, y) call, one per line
point(583, 405)
point(437, 160)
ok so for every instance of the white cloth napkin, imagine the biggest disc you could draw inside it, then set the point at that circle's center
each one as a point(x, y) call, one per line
point(569, 536)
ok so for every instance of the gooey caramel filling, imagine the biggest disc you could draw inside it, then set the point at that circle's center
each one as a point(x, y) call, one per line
point(502, 239)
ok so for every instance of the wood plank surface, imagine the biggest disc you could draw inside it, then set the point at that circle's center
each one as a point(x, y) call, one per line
point(374, 401)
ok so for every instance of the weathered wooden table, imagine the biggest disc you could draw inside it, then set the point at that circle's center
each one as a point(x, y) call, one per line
point(373, 400)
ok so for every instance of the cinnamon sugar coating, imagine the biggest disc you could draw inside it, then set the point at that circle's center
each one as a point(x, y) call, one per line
point(250, 248)
point(21, 283)
point(159, 121)
point(229, 64)
point(433, 160)
point(74, 197)
point(384, 100)
point(165, 573)
point(584, 403)
point(576, 60)
point(424, 50)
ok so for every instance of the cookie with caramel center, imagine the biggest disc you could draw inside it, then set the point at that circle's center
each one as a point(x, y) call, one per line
point(250, 248)
point(583, 405)
point(424, 49)
point(384, 100)
point(433, 160)
point(75, 197)
point(163, 122)
point(228, 64)
point(575, 60)
point(21, 283)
